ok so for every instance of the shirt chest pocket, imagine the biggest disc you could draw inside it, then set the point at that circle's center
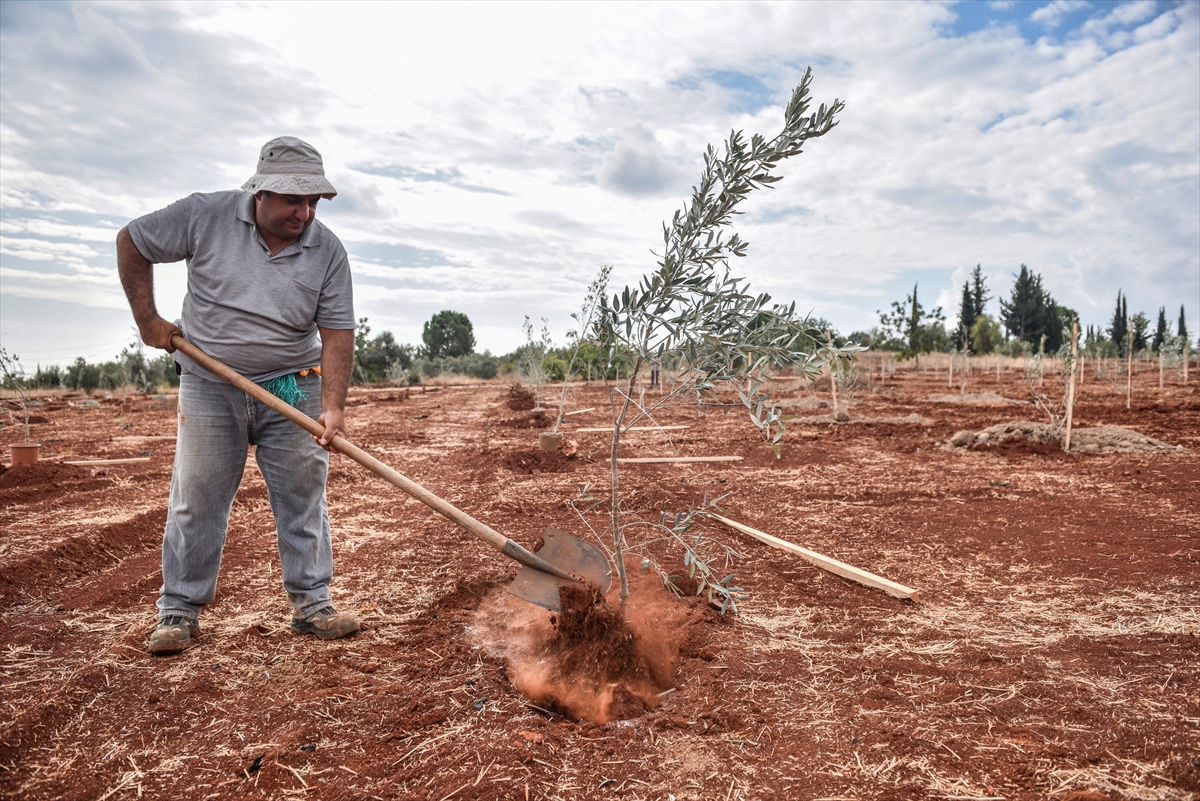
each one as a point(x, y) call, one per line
point(299, 306)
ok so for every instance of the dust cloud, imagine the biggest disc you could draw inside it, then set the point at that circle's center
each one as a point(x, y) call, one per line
point(587, 662)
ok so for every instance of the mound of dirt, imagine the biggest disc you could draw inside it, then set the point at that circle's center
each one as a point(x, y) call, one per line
point(520, 399)
point(83, 555)
point(1114, 439)
point(535, 460)
point(1029, 437)
point(41, 473)
point(908, 419)
point(982, 398)
point(805, 402)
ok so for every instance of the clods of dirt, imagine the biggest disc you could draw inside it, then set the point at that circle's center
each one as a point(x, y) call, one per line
point(591, 661)
point(536, 421)
point(532, 461)
point(1015, 446)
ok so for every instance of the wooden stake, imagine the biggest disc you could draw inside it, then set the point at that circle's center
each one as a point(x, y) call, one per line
point(825, 562)
point(91, 462)
point(1071, 384)
point(1160, 368)
point(1128, 364)
point(143, 438)
point(581, 411)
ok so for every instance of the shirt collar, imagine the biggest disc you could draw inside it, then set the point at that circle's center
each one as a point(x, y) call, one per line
point(245, 208)
point(311, 238)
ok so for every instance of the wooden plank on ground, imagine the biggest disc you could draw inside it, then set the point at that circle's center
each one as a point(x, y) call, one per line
point(142, 437)
point(670, 459)
point(635, 428)
point(93, 462)
point(581, 411)
point(825, 562)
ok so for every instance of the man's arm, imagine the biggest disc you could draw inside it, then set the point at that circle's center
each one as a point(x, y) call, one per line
point(137, 277)
point(337, 360)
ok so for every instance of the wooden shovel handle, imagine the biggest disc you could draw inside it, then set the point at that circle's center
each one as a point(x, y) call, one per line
point(389, 474)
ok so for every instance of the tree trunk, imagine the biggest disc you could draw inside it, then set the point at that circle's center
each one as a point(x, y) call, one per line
point(618, 543)
point(832, 377)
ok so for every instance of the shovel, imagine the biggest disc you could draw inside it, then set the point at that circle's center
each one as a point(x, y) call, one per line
point(561, 558)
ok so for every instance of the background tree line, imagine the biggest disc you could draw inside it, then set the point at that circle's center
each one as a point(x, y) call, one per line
point(1029, 321)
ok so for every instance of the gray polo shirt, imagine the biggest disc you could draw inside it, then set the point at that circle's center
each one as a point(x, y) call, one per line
point(255, 312)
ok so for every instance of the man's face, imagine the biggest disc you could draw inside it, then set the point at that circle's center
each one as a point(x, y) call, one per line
point(284, 216)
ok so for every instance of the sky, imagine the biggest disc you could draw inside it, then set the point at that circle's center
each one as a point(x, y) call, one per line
point(489, 158)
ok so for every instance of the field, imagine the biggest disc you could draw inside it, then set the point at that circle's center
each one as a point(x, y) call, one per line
point(1053, 652)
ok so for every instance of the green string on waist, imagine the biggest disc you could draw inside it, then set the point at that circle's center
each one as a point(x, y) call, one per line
point(286, 389)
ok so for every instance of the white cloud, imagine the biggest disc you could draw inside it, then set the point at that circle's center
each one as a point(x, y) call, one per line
point(58, 228)
point(65, 253)
point(636, 166)
point(1051, 14)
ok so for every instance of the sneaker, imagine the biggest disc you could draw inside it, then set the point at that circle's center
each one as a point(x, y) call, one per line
point(327, 623)
point(173, 634)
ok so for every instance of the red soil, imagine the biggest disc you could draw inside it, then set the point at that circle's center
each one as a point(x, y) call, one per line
point(1054, 652)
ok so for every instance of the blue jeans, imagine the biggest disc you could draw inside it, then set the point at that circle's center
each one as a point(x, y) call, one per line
point(217, 421)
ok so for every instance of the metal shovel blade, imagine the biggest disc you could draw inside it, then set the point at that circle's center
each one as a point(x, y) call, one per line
point(586, 562)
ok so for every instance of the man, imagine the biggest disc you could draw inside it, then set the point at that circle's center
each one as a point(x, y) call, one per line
point(264, 280)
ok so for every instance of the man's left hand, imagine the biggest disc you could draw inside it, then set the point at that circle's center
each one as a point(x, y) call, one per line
point(334, 421)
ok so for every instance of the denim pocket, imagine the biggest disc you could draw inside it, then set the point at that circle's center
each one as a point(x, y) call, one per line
point(299, 307)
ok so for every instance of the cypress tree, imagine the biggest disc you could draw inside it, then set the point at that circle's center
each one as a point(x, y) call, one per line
point(1182, 331)
point(966, 318)
point(1119, 328)
point(1160, 332)
point(979, 295)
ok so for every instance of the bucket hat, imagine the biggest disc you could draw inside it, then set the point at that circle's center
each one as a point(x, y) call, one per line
point(290, 166)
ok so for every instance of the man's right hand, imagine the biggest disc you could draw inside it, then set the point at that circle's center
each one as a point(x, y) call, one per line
point(158, 332)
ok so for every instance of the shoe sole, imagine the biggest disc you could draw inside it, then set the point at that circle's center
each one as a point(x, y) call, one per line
point(172, 646)
point(304, 627)
point(168, 648)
